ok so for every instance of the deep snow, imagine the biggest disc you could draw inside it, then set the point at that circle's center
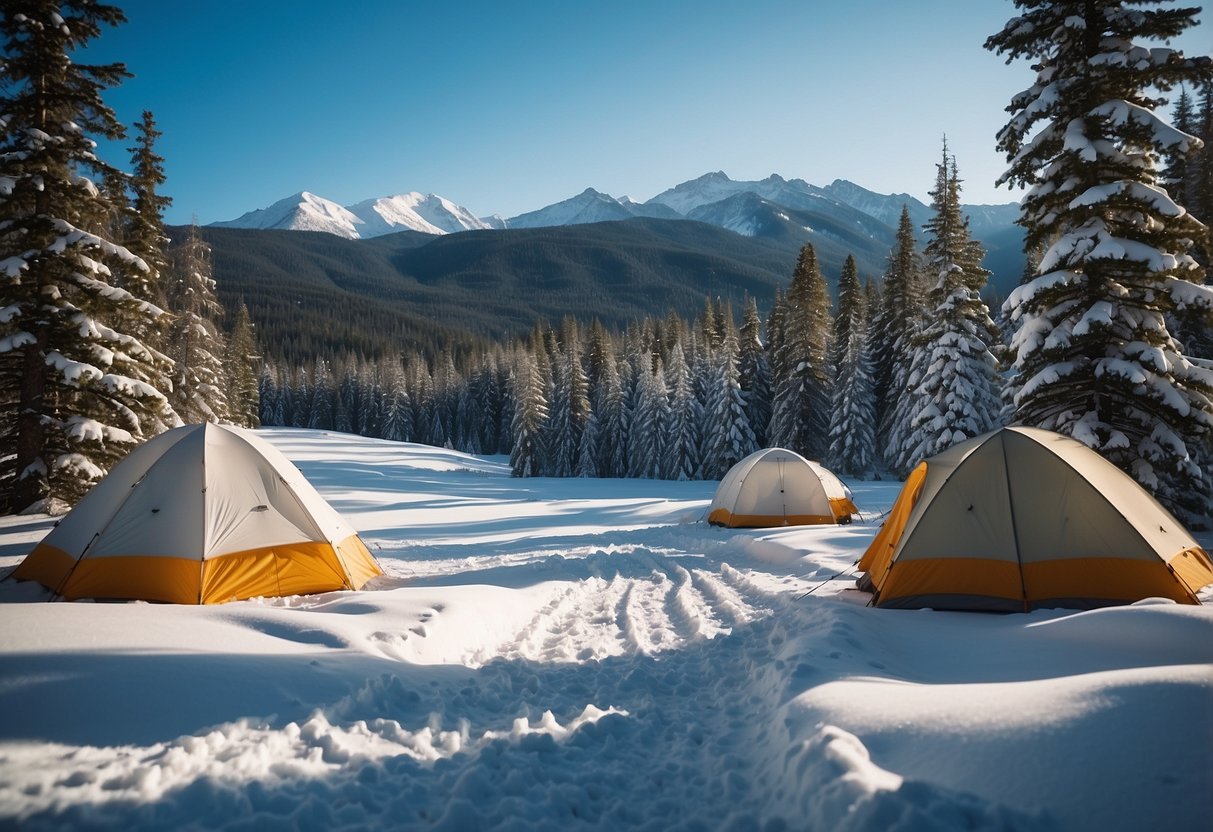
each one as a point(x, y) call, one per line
point(590, 654)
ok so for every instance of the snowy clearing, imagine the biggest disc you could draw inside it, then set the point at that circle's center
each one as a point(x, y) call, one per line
point(591, 654)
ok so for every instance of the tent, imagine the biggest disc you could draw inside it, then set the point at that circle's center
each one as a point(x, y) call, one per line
point(778, 487)
point(1023, 518)
point(200, 514)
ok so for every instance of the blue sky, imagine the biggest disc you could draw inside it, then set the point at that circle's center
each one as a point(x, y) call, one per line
point(507, 107)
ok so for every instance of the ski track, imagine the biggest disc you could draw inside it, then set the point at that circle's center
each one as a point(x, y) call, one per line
point(658, 676)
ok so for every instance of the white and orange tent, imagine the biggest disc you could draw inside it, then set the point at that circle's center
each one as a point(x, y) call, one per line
point(778, 487)
point(1023, 518)
point(200, 514)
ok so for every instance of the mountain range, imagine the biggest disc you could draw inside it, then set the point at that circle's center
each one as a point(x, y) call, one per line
point(773, 206)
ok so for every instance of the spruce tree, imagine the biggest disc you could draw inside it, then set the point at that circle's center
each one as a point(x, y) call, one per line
point(397, 419)
point(1094, 358)
point(146, 236)
point(852, 424)
point(800, 407)
point(240, 360)
point(755, 372)
point(195, 343)
point(895, 327)
point(614, 420)
point(952, 391)
point(530, 413)
point(79, 390)
point(681, 459)
point(650, 424)
point(728, 437)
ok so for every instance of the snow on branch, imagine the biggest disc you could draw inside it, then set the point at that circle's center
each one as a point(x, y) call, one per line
point(1120, 113)
point(16, 341)
point(1157, 198)
point(72, 236)
point(13, 266)
point(73, 371)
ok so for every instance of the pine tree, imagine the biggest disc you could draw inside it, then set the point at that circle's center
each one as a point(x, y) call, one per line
point(755, 371)
point(78, 390)
point(240, 360)
point(614, 421)
point(530, 413)
point(322, 414)
point(952, 390)
point(728, 435)
point(146, 236)
point(800, 407)
point(195, 344)
point(397, 420)
point(895, 327)
point(650, 424)
point(852, 424)
point(370, 399)
point(268, 395)
point(570, 406)
point(1094, 358)
point(681, 459)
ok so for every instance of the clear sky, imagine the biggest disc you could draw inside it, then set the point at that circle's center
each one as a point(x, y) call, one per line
point(507, 107)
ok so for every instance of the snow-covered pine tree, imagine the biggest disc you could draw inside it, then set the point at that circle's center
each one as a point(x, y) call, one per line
point(301, 399)
point(840, 327)
point(1202, 165)
point(650, 424)
point(852, 429)
point(268, 394)
point(895, 326)
point(776, 355)
point(587, 449)
point(370, 398)
point(146, 235)
point(1179, 174)
point(755, 373)
point(321, 415)
point(1094, 357)
point(240, 360)
point(397, 420)
point(284, 407)
point(953, 390)
point(420, 386)
point(530, 413)
point(195, 343)
point(728, 437)
point(570, 406)
point(79, 390)
point(801, 403)
point(614, 420)
point(681, 460)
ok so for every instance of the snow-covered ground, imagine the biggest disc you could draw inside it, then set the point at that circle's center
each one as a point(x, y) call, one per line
point(570, 654)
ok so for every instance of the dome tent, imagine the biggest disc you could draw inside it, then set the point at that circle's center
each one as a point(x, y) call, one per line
point(1023, 518)
point(778, 487)
point(200, 514)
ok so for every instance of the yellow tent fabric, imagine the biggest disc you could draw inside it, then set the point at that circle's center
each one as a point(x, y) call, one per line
point(1022, 518)
point(778, 487)
point(201, 514)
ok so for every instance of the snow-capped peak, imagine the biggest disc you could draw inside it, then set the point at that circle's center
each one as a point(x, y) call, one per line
point(714, 187)
point(413, 211)
point(303, 211)
point(588, 206)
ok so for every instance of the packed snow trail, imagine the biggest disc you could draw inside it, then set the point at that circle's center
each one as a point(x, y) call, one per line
point(628, 700)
